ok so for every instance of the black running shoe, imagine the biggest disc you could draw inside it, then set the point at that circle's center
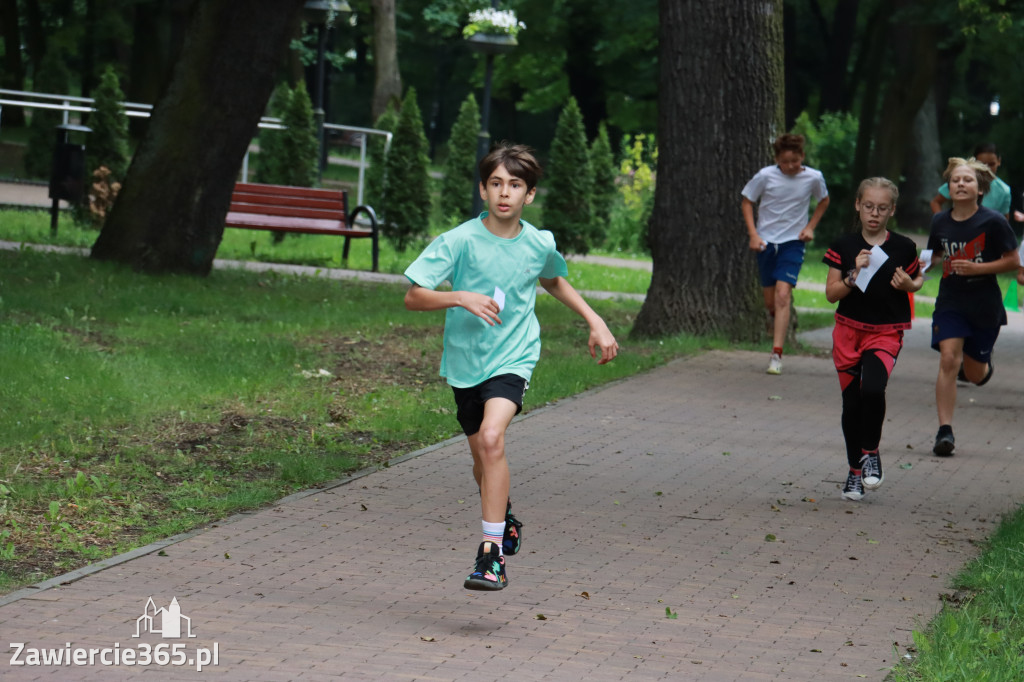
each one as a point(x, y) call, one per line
point(513, 538)
point(944, 442)
point(991, 371)
point(871, 471)
point(489, 573)
point(854, 488)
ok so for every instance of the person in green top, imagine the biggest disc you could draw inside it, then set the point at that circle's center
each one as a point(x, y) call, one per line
point(491, 334)
point(997, 197)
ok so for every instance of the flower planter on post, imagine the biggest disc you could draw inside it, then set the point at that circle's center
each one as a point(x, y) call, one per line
point(489, 32)
point(486, 43)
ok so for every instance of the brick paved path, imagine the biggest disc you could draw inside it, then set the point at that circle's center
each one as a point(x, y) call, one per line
point(655, 493)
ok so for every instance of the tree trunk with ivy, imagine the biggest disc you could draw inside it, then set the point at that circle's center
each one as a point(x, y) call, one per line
point(169, 215)
point(721, 104)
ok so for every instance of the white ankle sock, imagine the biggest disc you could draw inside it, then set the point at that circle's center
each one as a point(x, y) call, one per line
point(494, 532)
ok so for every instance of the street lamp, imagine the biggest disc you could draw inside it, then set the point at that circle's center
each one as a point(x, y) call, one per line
point(319, 13)
point(489, 46)
point(993, 106)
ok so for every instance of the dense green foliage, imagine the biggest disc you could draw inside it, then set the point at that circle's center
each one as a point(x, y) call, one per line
point(457, 185)
point(568, 206)
point(406, 202)
point(631, 211)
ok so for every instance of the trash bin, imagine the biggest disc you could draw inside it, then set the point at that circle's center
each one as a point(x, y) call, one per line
point(67, 175)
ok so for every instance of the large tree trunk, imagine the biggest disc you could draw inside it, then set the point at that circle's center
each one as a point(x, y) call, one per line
point(869, 71)
point(720, 98)
point(916, 60)
point(835, 93)
point(923, 168)
point(388, 85)
point(169, 216)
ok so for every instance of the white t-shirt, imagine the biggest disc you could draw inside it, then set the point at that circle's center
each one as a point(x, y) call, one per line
point(785, 201)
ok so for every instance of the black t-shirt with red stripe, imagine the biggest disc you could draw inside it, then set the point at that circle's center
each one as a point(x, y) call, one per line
point(882, 307)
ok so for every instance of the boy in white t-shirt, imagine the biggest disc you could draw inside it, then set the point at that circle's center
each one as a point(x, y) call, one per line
point(783, 193)
point(491, 334)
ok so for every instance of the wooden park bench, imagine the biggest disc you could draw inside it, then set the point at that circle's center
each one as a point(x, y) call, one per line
point(304, 210)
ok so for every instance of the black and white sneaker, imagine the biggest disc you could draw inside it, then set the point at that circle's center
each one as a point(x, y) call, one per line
point(944, 441)
point(489, 572)
point(854, 488)
point(871, 471)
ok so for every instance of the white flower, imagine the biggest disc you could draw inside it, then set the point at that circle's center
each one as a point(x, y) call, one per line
point(491, 21)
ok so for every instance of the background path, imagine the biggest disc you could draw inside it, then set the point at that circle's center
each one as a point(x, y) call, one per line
point(705, 487)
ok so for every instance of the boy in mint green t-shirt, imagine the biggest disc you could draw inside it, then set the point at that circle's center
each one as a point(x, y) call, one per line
point(491, 334)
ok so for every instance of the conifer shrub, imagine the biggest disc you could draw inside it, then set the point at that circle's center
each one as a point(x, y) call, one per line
point(457, 187)
point(271, 140)
point(289, 156)
point(106, 151)
point(570, 181)
point(406, 200)
point(376, 155)
point(108, 143)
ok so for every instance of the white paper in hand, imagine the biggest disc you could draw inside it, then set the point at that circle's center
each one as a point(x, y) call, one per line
point(926, 259)
point(878, 256)
point(499, 298)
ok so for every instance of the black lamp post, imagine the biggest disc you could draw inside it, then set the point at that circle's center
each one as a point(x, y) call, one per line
point(317, 13)
point(489, 46)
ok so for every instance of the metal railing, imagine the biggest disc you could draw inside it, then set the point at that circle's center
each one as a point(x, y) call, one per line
point(70, 104)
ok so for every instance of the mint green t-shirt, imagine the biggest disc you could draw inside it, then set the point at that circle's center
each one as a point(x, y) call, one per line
point(473, 259)
point(998, 197)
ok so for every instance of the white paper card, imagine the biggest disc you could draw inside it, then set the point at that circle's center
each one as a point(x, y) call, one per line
point(926, 259)
point(499, 298)
point(878, 256)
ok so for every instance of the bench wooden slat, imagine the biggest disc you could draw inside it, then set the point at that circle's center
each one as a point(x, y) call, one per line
point(304, 210)
point(289, 211)
point(288, 191)
point(330, 203)
point(285, 224)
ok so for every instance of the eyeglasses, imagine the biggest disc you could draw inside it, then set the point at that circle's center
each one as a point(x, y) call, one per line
point(871, 208)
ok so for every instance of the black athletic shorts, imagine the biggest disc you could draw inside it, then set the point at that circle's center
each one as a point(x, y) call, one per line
point(470, 401)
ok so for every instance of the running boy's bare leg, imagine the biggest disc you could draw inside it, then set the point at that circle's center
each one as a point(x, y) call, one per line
point(769, 300)
point(490, 467)
point(782, 299)
point(951, 352)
